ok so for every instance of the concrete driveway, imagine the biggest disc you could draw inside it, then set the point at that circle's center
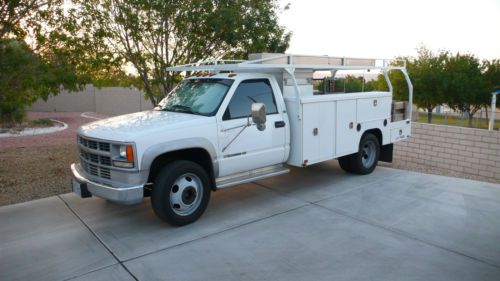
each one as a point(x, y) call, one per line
point(312, 224)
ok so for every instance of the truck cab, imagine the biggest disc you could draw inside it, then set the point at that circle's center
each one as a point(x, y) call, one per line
point(233, 123)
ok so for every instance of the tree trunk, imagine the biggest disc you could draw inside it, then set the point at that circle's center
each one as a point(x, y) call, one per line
point(429, 114)
point(470, 119)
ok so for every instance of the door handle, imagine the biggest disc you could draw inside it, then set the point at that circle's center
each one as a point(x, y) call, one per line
point(279, 124)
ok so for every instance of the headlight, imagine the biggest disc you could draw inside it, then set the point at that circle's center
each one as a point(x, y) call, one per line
point(123, 151)
point(125, 157)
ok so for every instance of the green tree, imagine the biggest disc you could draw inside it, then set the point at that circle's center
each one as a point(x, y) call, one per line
point(154, 34)
point(465, 87)
point(378, 84)
point(491, 75)
point(24, 77)
point(427, 72)
point(398, 81)
point(16, 13)
point(353, 84)
point(28, 72)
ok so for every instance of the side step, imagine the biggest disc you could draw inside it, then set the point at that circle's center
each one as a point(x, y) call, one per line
point(249, 176)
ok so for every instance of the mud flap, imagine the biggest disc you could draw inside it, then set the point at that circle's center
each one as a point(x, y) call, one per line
point(80, 189)
point(386, 153)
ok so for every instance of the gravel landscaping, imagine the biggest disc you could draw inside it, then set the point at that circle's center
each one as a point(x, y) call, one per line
point(31, 173)
point(33, 167)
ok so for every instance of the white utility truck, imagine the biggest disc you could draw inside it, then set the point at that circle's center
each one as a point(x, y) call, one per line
point(235, 122)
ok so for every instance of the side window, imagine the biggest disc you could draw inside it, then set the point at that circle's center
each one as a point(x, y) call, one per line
point(248, 92)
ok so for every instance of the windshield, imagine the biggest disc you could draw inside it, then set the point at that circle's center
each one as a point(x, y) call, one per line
point(196, 96)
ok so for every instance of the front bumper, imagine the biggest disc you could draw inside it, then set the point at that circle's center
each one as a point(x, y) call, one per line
point(85, 187)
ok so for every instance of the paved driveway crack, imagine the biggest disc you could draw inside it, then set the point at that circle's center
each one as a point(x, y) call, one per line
point(216, 233)
point(98, 239)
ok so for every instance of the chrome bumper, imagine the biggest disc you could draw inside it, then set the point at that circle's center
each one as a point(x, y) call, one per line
point(125, 195)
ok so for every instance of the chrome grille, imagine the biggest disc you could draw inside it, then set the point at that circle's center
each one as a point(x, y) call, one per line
point(94, 157)
point(105, 160)
point(105, 173)
point(96, 170)
point(92, 144)
point(93, 170)
point(103, 146)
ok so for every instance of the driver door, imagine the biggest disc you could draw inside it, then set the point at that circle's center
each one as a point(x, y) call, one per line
point(249, 149)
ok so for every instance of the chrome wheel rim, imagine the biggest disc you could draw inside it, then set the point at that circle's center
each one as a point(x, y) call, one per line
point(186, 194)
point(368, 154)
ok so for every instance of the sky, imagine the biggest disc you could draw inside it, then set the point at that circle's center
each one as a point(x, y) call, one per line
point(390, 28)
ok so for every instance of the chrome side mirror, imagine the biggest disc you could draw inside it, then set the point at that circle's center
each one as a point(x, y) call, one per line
point(259, 115)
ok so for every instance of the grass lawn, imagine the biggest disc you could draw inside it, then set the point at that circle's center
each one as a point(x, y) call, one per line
point(456, 121)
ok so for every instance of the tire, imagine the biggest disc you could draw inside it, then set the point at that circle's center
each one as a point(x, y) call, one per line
point(345, 163)
point(181, 192)
point(365, 160)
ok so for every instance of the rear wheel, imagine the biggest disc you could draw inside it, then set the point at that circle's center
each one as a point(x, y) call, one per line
point(365, 160)
point(180, 193)
point(345, 163)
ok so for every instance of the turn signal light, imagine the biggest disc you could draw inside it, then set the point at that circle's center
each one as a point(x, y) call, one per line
point(130, 153)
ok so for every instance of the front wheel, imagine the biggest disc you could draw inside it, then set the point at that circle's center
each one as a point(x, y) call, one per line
point(181, 192)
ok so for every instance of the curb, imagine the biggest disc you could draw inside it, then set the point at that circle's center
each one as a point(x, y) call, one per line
point(37, 131)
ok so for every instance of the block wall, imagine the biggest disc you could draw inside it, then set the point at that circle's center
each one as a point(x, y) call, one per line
point(467, 152)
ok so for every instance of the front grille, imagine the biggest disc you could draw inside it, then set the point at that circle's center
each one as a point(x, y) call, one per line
point(94, 158)
point(93, 170)
point(92, 144)
point(104, 146)
point(105, 173)
point(105, 160)
point(96, 170)
point(95, 163)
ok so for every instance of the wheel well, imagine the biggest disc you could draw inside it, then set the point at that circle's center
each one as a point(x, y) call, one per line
point(377, 133)
point(197, 155)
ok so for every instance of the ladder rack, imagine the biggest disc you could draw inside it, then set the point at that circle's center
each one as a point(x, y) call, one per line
point(270, 62)
point(276, 63)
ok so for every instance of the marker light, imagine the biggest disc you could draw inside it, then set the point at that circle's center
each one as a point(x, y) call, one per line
point(123, 164)
point(130, 153)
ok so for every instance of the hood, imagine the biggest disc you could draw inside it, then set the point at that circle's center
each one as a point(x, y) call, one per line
point(130, 126)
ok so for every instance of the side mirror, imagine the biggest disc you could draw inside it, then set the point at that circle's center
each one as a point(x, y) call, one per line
point(259, 115)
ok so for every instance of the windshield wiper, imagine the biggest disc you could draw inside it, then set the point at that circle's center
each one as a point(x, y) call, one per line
point(181, 108)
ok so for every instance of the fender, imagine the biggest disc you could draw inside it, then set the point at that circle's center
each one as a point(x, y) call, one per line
point(153, 151)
